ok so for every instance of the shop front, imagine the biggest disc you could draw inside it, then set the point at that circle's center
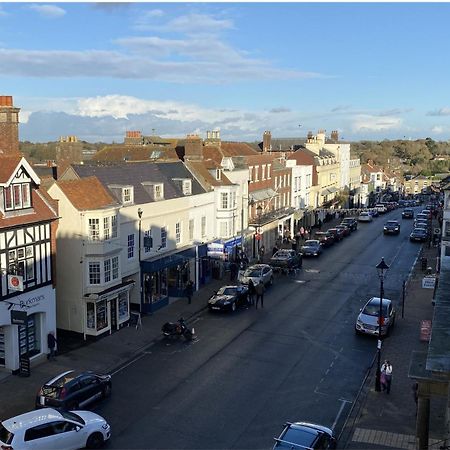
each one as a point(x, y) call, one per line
point(26, 339)
point(166, 277)
point(109, 310)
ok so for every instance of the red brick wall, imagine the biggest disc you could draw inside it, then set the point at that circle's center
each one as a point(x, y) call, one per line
point(9, 126)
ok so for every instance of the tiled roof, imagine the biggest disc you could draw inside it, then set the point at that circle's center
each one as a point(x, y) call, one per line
point(7, 165)
point(135, 153)
point(237, 149)
point(202, 170)
point(87, 194)
point(135, 173)
point(41, 212)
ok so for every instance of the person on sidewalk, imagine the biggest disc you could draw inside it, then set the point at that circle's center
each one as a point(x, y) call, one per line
point(386, 368)
point(189, 291)
point(259, 288)
point(51, 343)
point(251, 292)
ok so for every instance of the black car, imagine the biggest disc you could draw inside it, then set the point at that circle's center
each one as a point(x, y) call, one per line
point(285, 259)
point(391, 227)
point(352, 222)
point(73, 390)
point(418, 235)
point(228, 298)
point(325, 238)
point(311, 247)
point(305, 435)
point(408, 213)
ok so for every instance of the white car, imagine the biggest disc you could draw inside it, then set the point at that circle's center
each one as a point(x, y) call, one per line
point(381, 208)
point(258, 273)
point(50, 429)
point(365, 216)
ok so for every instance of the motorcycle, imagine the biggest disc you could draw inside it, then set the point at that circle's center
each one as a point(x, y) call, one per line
point(178, 328)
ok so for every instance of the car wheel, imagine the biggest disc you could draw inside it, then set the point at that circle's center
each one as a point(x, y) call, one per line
point(95, 440)
point(233, 307)
point(107, 391)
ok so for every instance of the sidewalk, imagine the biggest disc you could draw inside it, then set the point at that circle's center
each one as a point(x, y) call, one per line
point(384, 421)
point(105, 355)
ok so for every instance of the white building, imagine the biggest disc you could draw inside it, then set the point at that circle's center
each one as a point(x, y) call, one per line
point(445, 244)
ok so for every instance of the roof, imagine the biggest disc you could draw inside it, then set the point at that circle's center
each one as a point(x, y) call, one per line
point(202, 170)
point(7, 166)
point(135, 173)
point(136, 153)
point(80, 194)
point(32, 417)
point(237, 149)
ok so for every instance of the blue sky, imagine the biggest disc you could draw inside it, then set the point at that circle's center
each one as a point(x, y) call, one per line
point(95, 70)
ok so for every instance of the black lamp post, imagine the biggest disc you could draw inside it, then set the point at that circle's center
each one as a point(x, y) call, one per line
point(141, 278)
point(258, 213)
point(381, 268)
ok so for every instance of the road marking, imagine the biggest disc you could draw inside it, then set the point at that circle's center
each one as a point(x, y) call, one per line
point(312, 270)
point(339, 412)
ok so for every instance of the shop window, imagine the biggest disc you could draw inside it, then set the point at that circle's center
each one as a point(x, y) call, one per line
point(90, 316)
point(34, 336)
point(123, 306)
point(102, 315)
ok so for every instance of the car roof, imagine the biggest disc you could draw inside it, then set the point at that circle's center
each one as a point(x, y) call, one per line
point(393, 221)
point(32, 418)
point(258, 266)
point(67, 377)
point(312, 240)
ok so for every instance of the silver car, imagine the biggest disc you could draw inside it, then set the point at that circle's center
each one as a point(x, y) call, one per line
point(367, 321)
point(258, 273)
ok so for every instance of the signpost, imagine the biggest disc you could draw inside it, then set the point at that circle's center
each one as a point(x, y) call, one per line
point(428, 282)
point(20, 318)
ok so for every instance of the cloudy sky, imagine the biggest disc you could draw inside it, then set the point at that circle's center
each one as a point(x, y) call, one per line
point(95, 70)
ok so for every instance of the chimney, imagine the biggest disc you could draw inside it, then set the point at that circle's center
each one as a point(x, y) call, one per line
point(9, 127)
point(213, 138)
point(267, 141)
point(335, 136)
point(193, 148)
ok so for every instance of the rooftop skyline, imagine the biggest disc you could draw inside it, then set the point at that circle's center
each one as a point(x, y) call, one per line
point(96, 70)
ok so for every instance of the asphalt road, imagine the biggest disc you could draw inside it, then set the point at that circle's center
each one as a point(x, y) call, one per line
point(250, 371)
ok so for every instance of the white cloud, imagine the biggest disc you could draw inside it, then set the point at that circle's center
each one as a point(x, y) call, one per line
point(49, 11)
point(366, 122)
point(439, 112)
point(437, 129)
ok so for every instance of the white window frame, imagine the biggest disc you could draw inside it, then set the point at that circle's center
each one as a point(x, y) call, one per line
point(127, 195)
point(263, 172)
point(191, 229)
point(130, 246)
point(106, 228)
point(256, 173)
point(94, 228)
point(224, 200)
point(268, 171)
point(203, 226)
point(94, 275)
point(163, 235)
point(178, 232)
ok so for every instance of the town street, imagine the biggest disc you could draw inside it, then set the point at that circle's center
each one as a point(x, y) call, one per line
point(248, 372)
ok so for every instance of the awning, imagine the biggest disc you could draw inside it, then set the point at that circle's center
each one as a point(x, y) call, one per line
point(333, 189)
point(112, 291)
point(262, 194)
point(325, 192)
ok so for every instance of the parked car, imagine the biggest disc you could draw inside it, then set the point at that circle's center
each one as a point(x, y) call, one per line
point(257, 273)
point(425, 223)
point(423, 216)
point(408, 213)
point(51, 429)
point(345, 229)
point(72, 390)
point(381, 208)
point(228, 298)
point(418, 235)
point(367, 321)
point(391, 227)
point(351, 222)
point(286, 259)
point(311, 247)
point(427, 212)
point(365, 216)
point(305, 435)
point(374, 212)
point(324, 237)
point(337, 233)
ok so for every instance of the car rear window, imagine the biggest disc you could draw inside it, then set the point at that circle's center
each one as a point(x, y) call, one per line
point(51, 391)
point(253, 273)
point(5, 436)
point(299, 436)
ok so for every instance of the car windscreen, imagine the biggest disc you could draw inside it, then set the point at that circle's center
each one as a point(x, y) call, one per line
point(252, 273)
point(69, 415)
point(51, 391)
point(6, 436)
point(227, 291)
point(373, 309)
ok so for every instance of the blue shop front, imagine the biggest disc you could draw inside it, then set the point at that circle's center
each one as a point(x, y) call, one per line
point(166, 277)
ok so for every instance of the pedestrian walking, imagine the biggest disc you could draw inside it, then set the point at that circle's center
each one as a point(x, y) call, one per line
point(51, 343)
point(259, 289)
point(251, 292)
point(189, 291)
point(302, 233)
point(275, 249)
point(386, 368)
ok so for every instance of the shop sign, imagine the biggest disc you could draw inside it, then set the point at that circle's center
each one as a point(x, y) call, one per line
point(15, 282)
point(428, 282)
point(24, 365)
point(18, 317)
point(216, 250)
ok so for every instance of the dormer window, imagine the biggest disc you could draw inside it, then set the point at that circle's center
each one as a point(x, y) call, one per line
point(158, 191)
point(17, 196)
point(218, 174)
point(187, 187)
point(127, 195)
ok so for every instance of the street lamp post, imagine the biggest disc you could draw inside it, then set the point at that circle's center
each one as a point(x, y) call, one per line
point(381, 268)
point(141, 278)
point(258, 213)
